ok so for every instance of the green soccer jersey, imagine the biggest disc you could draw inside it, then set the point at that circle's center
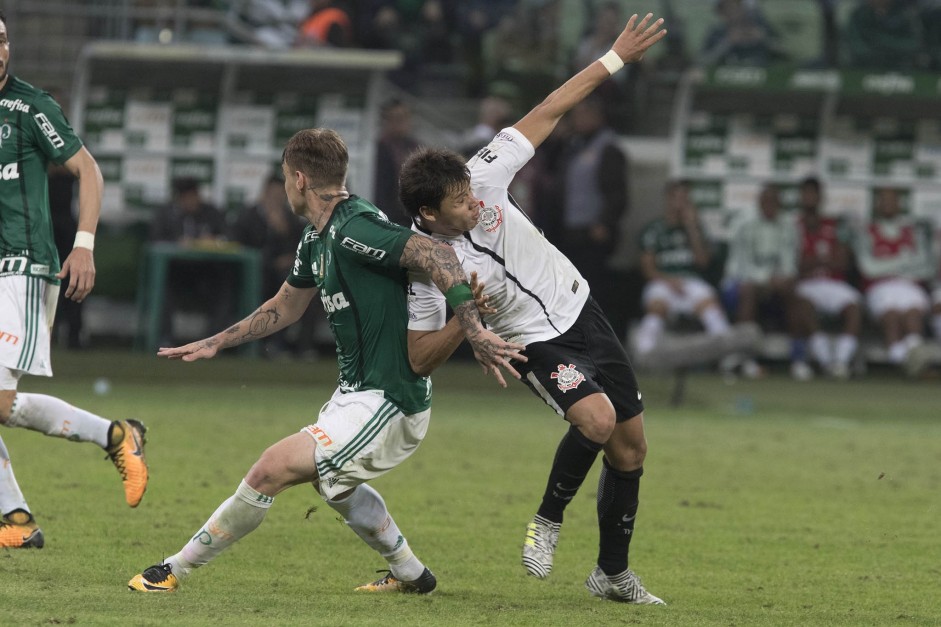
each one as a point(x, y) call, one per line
point(354, 263)
point(33, 132)
point(670, 247)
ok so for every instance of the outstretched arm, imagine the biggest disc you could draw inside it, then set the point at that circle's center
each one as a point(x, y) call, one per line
point(444, 268)
point(79, 266)
point(278, 312)
point(630, 47)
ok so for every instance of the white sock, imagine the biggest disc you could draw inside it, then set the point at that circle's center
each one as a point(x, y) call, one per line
point(821, 349)
point(897, 352)
point(238, 516)
point(57, 418)
point(649, 331)
point(366, 514)
point(714, 320)
point(11, 497)
point(936, 327)
point(846, 345)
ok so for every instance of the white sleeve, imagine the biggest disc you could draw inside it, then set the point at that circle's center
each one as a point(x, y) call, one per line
point(497, 163)
point(426, 303)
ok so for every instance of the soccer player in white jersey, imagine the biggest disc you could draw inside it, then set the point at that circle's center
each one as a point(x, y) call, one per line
point(576, 363)
point(357, 260)
point(33, 132)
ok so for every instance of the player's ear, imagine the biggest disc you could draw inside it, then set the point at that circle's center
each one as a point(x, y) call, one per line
point(427, 214)
point(300, 181)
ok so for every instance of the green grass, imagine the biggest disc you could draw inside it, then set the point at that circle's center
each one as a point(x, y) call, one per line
point(769, 503)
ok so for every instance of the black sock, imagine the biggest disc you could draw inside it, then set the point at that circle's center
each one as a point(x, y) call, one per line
point(617, 508)
point(573, 460)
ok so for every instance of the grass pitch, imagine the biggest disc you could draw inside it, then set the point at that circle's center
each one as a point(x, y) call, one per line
point(763, 503)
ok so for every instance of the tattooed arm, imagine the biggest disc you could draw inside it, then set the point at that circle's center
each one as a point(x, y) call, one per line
point(442, 265)
point(280, 311)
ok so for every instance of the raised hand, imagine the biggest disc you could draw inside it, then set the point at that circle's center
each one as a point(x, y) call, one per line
point(636, 38)
point(481, 299)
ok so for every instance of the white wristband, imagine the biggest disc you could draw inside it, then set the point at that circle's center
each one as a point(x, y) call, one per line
point(84, 239)
point(611, 61)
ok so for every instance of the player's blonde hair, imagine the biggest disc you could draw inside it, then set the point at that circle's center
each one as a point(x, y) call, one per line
point(320, 154)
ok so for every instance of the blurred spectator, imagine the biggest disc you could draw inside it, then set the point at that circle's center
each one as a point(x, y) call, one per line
point(396, 143)
point(760, 273)
point(493, 115)
point(929, 15)
point(188, 218)
point(327, 24)
point(894, 257)
point(193, 285)
point(743, 37)
point(674, 255)
point(822, 288)
point(594, 199)
point(515, 52)
point(830, 32)
point(270, 227)
point(882, 34)
point(68, 320)
point(274, 23)
point(475, 18)
point(618, 91)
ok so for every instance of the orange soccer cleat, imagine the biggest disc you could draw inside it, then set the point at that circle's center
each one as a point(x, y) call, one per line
point(127, 453)
point(18, 530)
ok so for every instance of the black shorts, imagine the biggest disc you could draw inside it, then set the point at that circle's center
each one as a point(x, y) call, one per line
point(586, 359)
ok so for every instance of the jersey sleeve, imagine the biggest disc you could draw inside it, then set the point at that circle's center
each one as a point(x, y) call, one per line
point(497, 163)
point(53, 133)
point(303, 275)
point(426, 304)
point(370, 239)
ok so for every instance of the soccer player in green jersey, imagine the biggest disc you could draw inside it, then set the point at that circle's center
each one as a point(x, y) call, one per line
point(358, 263)
point(33, 132)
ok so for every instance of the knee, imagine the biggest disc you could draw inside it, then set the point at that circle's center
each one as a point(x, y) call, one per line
point(6, 405)
point(263, 475)
point(597, 426)
point(627, 455)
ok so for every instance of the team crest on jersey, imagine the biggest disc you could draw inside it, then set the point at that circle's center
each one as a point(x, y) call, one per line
point(490, 218)
point(568, 377)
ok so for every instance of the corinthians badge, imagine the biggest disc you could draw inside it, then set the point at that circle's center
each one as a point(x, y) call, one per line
point(568, 377)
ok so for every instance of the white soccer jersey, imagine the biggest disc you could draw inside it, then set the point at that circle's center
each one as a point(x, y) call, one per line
point(535, 289)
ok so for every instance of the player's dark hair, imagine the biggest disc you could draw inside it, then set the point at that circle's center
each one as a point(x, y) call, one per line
point(3, 18)
point(428, 176)
point(320, 154)
point(811, 181)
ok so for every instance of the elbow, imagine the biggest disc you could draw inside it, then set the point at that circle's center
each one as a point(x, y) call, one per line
point(421, 368)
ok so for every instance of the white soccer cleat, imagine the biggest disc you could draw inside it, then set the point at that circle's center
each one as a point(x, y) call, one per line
point(801, 371)
point(624, 588)
point(542, 536)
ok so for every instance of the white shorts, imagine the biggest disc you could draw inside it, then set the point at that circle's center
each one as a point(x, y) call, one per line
point(829, 296)
point(895, 295)
point(27, 308)
point(361, 436)
point(695, 292)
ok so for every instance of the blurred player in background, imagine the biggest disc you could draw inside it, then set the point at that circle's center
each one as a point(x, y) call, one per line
point(356, 259)
point(822, 288)
point(576, 363)
point(33, 132)
point(894, 257)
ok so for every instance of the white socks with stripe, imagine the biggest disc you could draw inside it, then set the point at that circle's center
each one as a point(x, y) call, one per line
point(11, 497)
point(366, 514)
point(57, 418)
point(238, 516)
point(714, 320)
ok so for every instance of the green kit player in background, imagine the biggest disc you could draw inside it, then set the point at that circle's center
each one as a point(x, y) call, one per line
point(33, 132)
point(358, 262)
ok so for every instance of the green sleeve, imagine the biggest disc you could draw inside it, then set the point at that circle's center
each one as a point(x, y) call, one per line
point(303, 275)
point(368, 239)
point(52, 131)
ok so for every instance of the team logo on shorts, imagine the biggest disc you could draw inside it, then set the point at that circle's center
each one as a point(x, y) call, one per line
point(490, 218)
point(568, 377)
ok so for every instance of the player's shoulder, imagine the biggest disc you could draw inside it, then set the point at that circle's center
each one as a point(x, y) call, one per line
point(23, 96)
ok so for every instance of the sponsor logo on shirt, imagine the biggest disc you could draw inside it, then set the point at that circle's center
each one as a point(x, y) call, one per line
point(5, 131)
point(568, 377)
point(334, 302)
point(490, 218)
point(504, 137)
point(49, 130)
point(311, 236)
point(12, 265)
point(9, 171)
point(363, 249)
point(14, 105)
point(9, 338)
point(39, 269)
